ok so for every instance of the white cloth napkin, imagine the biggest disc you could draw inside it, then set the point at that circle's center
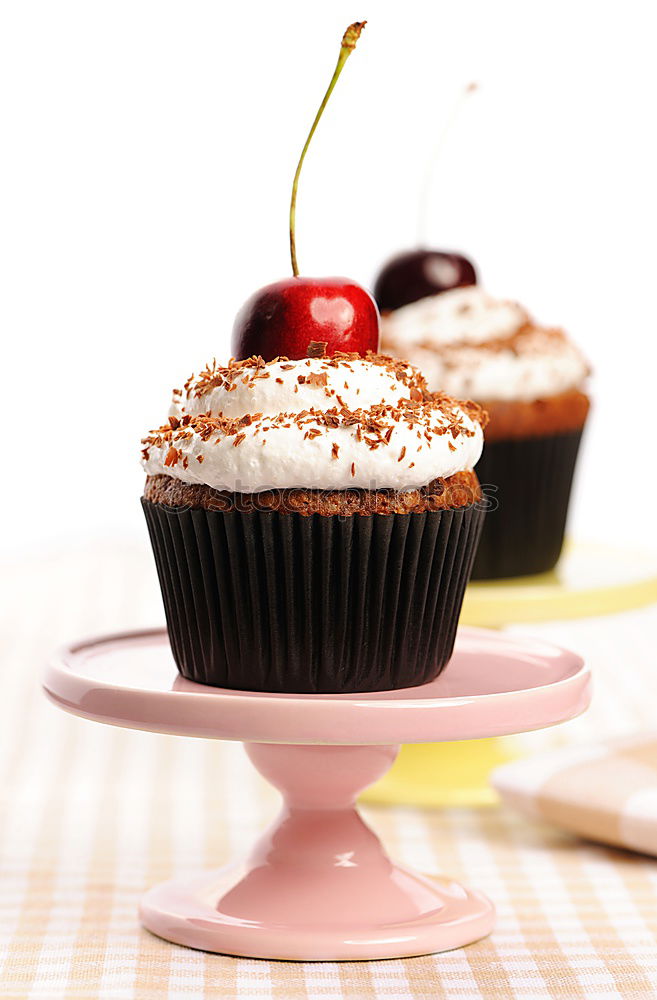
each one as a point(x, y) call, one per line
point(605, 792)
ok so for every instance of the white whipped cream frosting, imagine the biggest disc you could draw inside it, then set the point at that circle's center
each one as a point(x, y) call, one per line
point(328, 424)
point(457, 339)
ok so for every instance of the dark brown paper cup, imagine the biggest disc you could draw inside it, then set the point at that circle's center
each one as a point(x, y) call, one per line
point(269, 601)
point(527, 482)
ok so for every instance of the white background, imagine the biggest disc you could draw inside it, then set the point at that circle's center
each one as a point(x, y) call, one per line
point(147, 151)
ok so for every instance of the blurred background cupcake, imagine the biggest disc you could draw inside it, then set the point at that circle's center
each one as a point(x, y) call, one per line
point(314, 523)
point(531, 379)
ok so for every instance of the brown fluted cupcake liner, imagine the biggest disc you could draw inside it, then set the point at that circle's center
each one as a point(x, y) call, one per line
point(528, 483)
point(269, 601)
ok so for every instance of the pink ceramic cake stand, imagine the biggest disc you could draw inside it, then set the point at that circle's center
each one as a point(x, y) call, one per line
point(318, 884)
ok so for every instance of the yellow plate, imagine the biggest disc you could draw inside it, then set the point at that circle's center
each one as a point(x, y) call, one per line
point(589, 580)
point(443, 774)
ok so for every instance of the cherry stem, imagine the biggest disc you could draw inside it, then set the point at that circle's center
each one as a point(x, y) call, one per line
point(349, 39)
point(430, 171)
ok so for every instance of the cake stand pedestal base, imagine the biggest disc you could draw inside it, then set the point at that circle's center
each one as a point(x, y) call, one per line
point(318, 883)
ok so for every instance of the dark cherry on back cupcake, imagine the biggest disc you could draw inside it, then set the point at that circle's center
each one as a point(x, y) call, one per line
point(416, 274)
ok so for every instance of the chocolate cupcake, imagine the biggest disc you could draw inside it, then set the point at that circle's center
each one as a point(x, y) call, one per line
point(314, 523)
point(531, 381)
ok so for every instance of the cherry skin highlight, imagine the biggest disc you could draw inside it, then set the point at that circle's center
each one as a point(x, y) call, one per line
point(284, 318)
point(415, 274)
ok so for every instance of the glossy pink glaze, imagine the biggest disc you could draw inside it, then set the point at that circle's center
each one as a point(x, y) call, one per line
point(318, 885)
point(493, 685)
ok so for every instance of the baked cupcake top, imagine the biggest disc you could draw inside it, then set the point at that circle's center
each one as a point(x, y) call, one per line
point(470, 344)
point(319, 423)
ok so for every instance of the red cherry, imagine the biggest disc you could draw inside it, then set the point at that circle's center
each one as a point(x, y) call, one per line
point(415, 274)
point(283, 319)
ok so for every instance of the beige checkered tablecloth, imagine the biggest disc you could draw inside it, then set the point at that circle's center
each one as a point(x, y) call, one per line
point(91, 816)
